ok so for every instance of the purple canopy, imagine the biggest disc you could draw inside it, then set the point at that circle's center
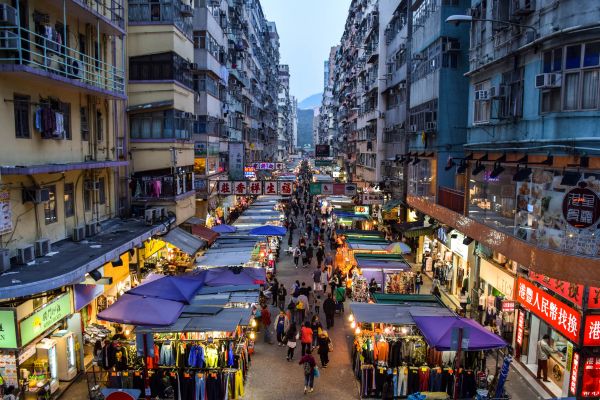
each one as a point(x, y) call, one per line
point(268, 230)
point(141, 310)
point(223, 228)
point(176, 288)
point(438, 333)
point(235, 276)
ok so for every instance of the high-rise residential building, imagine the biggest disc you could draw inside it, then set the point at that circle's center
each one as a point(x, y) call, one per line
point(285, 115)
point(325, 132)
point(160, 48)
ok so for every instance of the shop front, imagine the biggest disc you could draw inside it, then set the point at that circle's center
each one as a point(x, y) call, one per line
point(39, 347)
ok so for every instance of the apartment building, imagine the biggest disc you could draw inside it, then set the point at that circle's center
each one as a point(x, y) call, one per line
point(161, 102)
point(326, 133)
point(285, 115)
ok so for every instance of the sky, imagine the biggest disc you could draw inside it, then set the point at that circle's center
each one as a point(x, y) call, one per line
point(307, 30)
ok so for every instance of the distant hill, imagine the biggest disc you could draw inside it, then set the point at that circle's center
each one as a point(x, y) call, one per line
point(311, 102)
point(305, 127)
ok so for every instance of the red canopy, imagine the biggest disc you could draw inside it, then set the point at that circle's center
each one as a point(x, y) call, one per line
point(205, 233)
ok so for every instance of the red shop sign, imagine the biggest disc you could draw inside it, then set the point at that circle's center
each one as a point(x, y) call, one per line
point(591, 332)
point(574, 371)
point(508, 305)
point(594, 298)
point(560, 316)
point(520, 328)
point(590, 384)
point(570, 291)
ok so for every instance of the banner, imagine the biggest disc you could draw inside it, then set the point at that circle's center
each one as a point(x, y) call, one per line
point(255, 188)
point(239, 187)
point(224, 187)
point(285, 188)
point(266, 166)
point(347, 189)
point(236, 160)
point(557, 314)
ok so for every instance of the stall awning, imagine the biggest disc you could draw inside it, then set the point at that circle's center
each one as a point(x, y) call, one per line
point(359, 233)
point(224, 259)
point(397, 314)
point(225, 320)
point(141, 310)
point(418, 231)
point(438, 332)
point(365, 263)
point(184, 241)
point(204, 233)
point(390, 298)
point(367, 246)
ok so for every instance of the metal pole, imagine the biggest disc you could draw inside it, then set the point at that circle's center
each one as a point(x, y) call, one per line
point(146, 393)
point(457, 362)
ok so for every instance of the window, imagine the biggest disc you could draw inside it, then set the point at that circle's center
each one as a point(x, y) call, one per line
point(69, 197)
point(99, 127)
point(22, 106)
point(580, 67)
point(84, 127)
point(101, 191)
point(167, 124)
point(87, 195)
point(511, 105)
point(481, 108)
point(65, 109)
point(162, 66)
point(50, 215)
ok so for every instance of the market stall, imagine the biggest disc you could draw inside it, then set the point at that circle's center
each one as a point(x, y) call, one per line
point(410, 345)
point(391, 273)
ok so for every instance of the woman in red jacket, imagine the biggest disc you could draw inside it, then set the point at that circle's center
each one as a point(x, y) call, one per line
point(306, 337)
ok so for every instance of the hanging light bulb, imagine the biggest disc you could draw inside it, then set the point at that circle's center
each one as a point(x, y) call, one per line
point(353, 325)
point(351, 318)
point(357, 330)
point(253, 323)
point(252, 336)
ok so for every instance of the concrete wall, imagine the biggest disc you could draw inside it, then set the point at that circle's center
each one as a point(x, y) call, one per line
point(158, 155)
point(143, 93)
point(152, 39)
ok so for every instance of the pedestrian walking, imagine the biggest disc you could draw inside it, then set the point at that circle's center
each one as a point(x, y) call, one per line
point(317, 280)
point(265, 318)
point(329, 310)
point(317, 305)
point(281, 294)
point(296, 253)
point(315, 325)
point(306, 337)
point(308, 364)
point(282, 323)
point(324, 279)
point(291, 239)
point(304, 258)
point(274, 289)
point(309, 253)
point(340, 297)
point(418, 282)
point(334, 282)
point(324, 348)
point(320, 255)
point(292, 337)
point(291, 309)
point(302, 306)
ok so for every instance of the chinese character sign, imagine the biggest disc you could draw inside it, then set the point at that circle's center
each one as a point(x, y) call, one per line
point(236, 160)
point(594, 298)
point(239, 187)
point(285, 188)
point(590, 384)
point(591, 332)
point(570, 291)
point(520, 328)
point(581, 207)
point(255, 188)
point(574, 372)
point(224, 187)
point(270, 188)
point(560, 316)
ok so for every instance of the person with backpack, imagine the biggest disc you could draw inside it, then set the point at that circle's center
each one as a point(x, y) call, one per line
point(292, 337)
point(308, 368)
point(296, 253)
point(282, 324)
point(281, 293)
point(324, 348)
point(306, 337)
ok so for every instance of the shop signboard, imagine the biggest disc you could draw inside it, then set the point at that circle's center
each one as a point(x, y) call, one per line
point(594, 298)
point(581, 207)
point(224, 187)
point(255, 188)
point(5, 211)
point(590, 384)
point(570, 291)
point(285, 188)
point(371, 198)
point(508, 306)
point(327, 188)
point(520, 328)
point(249, 172)
point(265, 166)
point(270, 187)
point(361, 210)
point(8, 329)
point(339, 188)
point(239, 187)
point(574, 372)
point(591, 332)
point(498, 278)
point(323, 163)
point(236, 160)
point(42, 319)
point(349, 189)
point(457, 246)
point(557, 314)
point(322, 150)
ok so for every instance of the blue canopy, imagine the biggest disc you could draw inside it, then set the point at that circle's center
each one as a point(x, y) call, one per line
point(269, 230)
point(141, 310)
point(176, 288)
point(235, 276)
point(223, 228)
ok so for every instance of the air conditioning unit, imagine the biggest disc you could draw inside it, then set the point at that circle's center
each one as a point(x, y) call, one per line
point(8, 15)
point(187, 10)
point(78, 233)
point(548, 80)
point(36, 196)
point(92, 185)
point(431, 126)
point(497, 92)
point(75, 68)
point(453, 45)
point(482, 95)
point(193, 66)
point(149, 216)
point(25, 254)
point(4, 260)
point(160, 213)
point(90, 229)
point(42, 247)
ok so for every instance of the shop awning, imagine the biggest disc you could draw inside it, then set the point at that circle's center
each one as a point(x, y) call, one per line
point(224, 320)
point(224, 228)
point(390, 298)
point(367, 246)
point(359, 233)
point(418, 231)
point(224, 259)
point(177, 288)
point(204, 233)
point(141, 310)
point(399, 247)
point(382, 264)
point(235, 276)
point(398, 314)
point(184, 241)
point(438, 332)
point(387, 207)
point(269, 230)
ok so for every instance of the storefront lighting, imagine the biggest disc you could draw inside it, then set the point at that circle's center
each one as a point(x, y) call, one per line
point(253, 323)
point(353, 325)
point(252, 336)
point(404, 330)
point(351, 318)
point(498, 169)
point(479, 168)
point(127, 332)
point(357, 330)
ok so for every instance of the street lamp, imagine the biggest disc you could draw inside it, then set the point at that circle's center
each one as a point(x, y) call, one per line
point(459, 19)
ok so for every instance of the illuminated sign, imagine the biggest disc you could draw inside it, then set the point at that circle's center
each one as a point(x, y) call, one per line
point(520, 328)
point(361, 210)
point(591, 332)
point(574, 371)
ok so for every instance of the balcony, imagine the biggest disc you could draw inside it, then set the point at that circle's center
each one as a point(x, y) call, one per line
point(451, 199)
point(142, 12)
point(110, 13)
point(168, 187)
point(33, 54)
